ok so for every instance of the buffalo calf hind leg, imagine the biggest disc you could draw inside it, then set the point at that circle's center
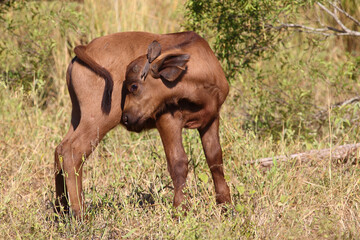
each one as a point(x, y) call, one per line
point(61, 201)
point(213, 153)
point(69, 159)
point(68, 178)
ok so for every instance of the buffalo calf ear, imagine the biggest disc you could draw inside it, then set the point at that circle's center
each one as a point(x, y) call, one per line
point(170, 67)
point(154, 51)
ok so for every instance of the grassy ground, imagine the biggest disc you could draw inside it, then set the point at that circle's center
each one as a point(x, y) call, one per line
point(128, 190)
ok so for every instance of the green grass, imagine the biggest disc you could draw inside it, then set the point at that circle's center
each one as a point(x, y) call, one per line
point(316, 199)
point(313, 200)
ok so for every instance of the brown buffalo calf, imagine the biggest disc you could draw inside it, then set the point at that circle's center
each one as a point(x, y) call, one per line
point(174, 82)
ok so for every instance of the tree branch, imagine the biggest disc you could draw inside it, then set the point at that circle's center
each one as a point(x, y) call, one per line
point(334, 17)
point(327, 30)
point(302, 28)
point(346, 14)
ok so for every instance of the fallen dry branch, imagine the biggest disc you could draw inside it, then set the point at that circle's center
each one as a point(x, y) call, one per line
point(339, 153)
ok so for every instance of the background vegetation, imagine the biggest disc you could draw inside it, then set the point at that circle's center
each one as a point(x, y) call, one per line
point(284, 90)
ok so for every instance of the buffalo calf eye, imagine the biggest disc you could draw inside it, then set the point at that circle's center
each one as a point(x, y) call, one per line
point(133, 87)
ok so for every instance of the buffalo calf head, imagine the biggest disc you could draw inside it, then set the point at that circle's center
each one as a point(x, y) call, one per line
point(149, 84)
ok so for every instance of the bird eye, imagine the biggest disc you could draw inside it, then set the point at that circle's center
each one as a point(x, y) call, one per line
point(133, 88)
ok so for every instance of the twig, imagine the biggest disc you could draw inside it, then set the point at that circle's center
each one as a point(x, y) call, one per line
point(327, 30)
point(300, 26)
point(334, 16)
point(345, 13)
point(339, 104)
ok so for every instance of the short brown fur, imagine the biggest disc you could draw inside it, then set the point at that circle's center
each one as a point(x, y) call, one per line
point(95, 81)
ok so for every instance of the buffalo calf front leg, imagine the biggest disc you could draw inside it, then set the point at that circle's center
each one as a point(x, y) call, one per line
point(170, 129)
point(213, 153)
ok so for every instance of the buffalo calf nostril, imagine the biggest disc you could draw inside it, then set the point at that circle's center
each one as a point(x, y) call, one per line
point(125, 119)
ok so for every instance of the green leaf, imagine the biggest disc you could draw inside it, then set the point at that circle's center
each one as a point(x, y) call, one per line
point(203, 177)
point(129, 233)
point(240, 189)
point(239, 208)
point(283, 198)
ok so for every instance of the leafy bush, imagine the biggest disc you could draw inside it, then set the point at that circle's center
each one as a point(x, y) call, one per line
point(291, 95)
point(30, 33)
point(281, 87)
point(238, 29)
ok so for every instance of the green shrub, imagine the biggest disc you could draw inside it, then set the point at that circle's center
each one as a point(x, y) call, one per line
point(283, 80)
point(238, 29)
point(30, 33)
point(295, 95)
